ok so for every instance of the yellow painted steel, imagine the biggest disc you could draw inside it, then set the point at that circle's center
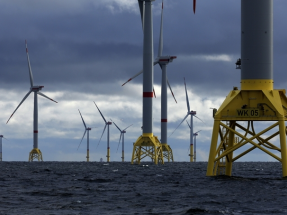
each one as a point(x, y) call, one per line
point(228, 164)
point(88, 155)
point(147, 135)
point(147, 145)
point(167, 152)
point(35, 154)
point(282, 131)
point(108, 155)
point(191, 154)
point(256, 102)
point(212, 153)
point(257, 84)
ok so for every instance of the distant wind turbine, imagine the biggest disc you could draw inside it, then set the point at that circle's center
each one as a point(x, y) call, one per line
point(194, 140)
point(35, 153)
point(87, 129)
point(122, 136)
point(1, 137)
point(108, 134)
point(194, 135)
point(192, 114)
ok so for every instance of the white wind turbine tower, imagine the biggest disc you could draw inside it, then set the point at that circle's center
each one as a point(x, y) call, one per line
point(122, 136)
point(194, 140)
point(108, 134)
point(194, 135)
point(163, 61)
point(1, 137)
point(192, 114)
point(87, 129)
point(35, 153)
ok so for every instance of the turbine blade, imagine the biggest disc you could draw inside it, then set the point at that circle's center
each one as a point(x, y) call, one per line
point(20, 104)
point(187, 101)
point(154, 92)
point(136, 75)
point(119, 141)
point(188, 124)
point(179, 124)
point(194, 5)
point(127, 127)
point(117, 127)
point(29, 66)
point(41, 94)
point(160, 46)
point(101, 113)
point(141, 6)
point(199, 119)
point(82, 139)
point(133, 77)
point(170, 90)
point(82, 119)
point(102, 135)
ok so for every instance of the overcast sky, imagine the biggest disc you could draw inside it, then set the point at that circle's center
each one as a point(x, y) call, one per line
point(83, 51)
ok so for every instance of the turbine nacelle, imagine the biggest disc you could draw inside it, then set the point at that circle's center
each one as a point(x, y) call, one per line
point(1, 136)
point(109, 123)
point(124, 132)
point(165, 59)
point(193, 113)
point(88, 129)
point(36, 88)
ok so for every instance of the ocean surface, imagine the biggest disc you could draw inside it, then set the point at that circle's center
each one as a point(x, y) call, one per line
point(122, 188)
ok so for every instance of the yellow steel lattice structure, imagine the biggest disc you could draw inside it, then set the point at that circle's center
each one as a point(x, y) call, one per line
point(35, 154)
point(147, 145)
point(249, 106)
point(167, 152)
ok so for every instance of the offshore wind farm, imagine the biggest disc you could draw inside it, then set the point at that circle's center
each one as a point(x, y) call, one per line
point(75, 83)
point(84, 51)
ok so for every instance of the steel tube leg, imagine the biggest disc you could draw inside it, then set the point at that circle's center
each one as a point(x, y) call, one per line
point(282, 130)
point(213, 146)
point(228, 170)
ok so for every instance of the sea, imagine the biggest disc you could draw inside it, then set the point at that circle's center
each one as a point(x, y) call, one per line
point(123, 188)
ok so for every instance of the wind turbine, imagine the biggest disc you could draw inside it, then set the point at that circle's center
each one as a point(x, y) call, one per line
point(194, 135)
point(163, 61)
point(122, 136)
point(35, 153)
point(147, 144)
point(87, 129)
point(194, 141)
point(159, 60)
point(1, 137)
point(192, 114)
point(108, 134)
